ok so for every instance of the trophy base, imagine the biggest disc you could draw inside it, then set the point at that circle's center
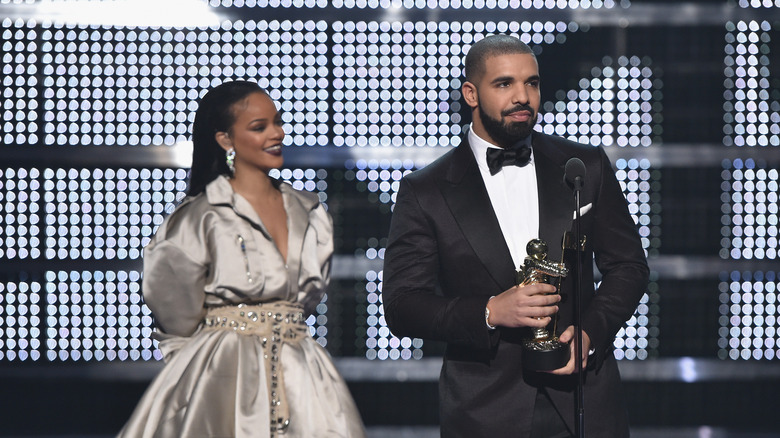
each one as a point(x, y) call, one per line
point(545, 355)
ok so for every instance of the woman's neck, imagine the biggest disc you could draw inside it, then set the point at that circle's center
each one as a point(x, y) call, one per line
point(256, 185)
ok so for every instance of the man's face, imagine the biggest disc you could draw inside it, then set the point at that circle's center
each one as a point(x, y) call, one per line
point(505, 101)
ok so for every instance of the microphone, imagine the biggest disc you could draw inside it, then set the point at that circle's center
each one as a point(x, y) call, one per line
point(574, 173)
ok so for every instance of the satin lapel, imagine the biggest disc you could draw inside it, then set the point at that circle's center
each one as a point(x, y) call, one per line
point(465, 194)
point(556, 199)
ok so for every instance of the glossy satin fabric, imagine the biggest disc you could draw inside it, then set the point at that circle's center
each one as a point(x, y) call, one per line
point(214, 251)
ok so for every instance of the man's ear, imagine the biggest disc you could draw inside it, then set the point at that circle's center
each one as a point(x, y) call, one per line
point(470, 94)
point(223, 138)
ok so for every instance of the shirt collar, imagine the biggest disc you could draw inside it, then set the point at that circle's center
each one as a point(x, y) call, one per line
point(479, 147)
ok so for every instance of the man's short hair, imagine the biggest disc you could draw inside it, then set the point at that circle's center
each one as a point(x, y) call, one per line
point(491, 46)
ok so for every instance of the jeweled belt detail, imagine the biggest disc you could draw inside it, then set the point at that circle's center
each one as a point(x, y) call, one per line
point(275, 324)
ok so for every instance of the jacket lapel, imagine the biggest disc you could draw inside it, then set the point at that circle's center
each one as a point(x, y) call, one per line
point(465, 194)
point(555, 212)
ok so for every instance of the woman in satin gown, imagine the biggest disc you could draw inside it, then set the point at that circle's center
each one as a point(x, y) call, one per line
point(231, 276)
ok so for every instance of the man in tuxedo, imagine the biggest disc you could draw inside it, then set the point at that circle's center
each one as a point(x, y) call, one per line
point(458, 235)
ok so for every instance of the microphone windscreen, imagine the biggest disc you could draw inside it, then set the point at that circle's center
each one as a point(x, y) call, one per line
point(574, 168)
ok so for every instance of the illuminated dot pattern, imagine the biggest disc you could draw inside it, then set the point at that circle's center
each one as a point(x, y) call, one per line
point(751, 115)
point(309, 180)
point(379, 178)
point(420, 4)
point(759, 3)
point(136, 86)
point(380, 343)
point(748, 316)
point(20, 222)
point(617, 105)
point(106, 214)
point(641, 187)
point(398, 83)
point(750, 211)
point(19, 83)
point(638, 339)
point(20, 321)
point(97, 316)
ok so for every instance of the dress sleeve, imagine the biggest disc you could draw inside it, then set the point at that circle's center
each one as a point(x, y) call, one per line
point(316, 259)
point(173, 288)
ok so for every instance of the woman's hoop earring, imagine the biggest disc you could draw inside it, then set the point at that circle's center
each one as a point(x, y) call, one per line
point(230, 157)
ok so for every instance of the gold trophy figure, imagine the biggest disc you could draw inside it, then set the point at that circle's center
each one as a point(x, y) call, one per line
point(543, 352)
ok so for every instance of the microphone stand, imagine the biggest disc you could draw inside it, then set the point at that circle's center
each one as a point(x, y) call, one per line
point(580, 402)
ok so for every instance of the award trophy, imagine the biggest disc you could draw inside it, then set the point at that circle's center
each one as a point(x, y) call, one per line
point(542, 352)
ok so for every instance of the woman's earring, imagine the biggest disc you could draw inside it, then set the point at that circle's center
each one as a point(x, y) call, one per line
point(230, 157)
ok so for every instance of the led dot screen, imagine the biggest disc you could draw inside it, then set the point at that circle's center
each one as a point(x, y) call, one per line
point(380, 342)
point(350, 84)
point(380, 180)
point(617, 105)
point(95, 315)
point(106, 213)
point(20, 222)
point(751, 114)
point(21, 321)
point(748, 316)
point(379, 177)
point(420, 4)
point(640, 186)
point(19, 65)
point(309, 180)
point(759, 3)
point(134, 86)
point(750, 211)
point(638, 339)
point(399, 83)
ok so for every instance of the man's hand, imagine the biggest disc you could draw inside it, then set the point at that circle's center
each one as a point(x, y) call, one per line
point(524, 306)
point(568, 337)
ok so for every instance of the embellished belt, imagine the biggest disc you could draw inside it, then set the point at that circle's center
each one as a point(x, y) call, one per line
point(274, 323)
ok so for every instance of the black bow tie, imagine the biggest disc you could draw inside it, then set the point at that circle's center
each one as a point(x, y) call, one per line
point(497, 158)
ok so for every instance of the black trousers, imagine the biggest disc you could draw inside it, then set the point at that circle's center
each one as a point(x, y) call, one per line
point(547, 421)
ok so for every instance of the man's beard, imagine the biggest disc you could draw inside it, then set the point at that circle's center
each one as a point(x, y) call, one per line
point(507, 134)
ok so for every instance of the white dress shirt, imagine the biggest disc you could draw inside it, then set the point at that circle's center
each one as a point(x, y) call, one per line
point(514, 197)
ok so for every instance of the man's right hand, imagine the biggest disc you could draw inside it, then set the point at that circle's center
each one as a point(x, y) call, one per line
point(524, 306)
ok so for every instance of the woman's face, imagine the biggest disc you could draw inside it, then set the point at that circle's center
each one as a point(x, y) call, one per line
point(256, 134)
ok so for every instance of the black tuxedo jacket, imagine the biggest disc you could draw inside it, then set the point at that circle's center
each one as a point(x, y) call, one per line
point(446, 256)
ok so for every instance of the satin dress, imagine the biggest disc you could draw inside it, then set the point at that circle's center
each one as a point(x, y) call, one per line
point(213, 252)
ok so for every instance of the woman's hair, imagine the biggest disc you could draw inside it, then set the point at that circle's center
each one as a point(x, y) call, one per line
point(214, 114)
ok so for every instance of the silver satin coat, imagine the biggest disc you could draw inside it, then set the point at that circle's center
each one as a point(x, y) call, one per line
point(213, 250)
